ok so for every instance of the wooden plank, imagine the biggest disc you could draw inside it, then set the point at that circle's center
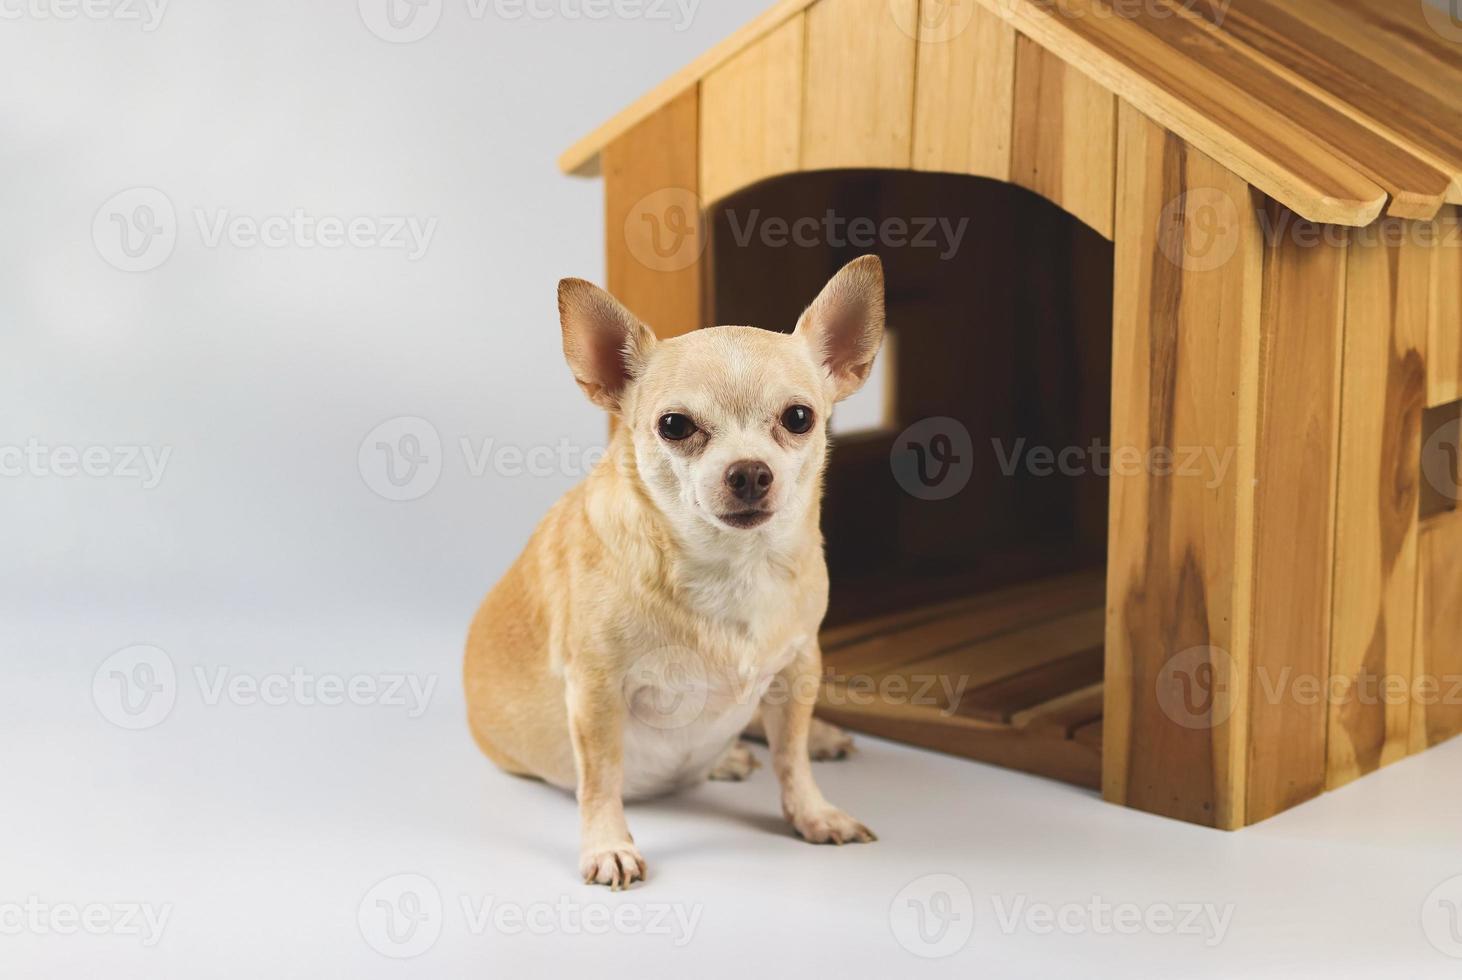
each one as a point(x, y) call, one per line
point(1090, 327)
point(1064, 143)
point(1180, 569)
point(994, 658)
point(964, 90)
point(582, 159)
point(1061, 717)
point(900, 638)
point(1416, 184)
point(1089, 735)
point(1302, 323)
point(1381, 61)
point(858, 100)
point(1212, 113)
point(751, 113)
point(954, 672)
point(1315, 50)
point(909, 676)
point(1042, 684)
point(1334, 53)
point(1437, 712)
point(654, 236)
point(1444, 332)
point(1406, 34)
point(1228, 118)
point(1383, 395)
point(1058, 758)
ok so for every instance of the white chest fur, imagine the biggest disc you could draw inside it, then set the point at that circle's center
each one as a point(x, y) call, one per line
point(688, 699)
point(684, 712)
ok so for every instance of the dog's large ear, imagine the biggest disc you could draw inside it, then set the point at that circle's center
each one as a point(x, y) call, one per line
point(603, 342)
point(844, 324)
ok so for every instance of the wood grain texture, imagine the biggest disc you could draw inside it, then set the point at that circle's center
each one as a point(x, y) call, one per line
point(1002, 701)
point(751, 113)
point(1353, 63)
point(1383, 396)
point(1211, 112)
point(1396, 36)
point(1089, 735)
point(1320, 106)
point(1064, 142)
point(963, 92)
point(1444, 318)
point(1416, 185)
point(1066, 759)
point(654, 235)
point(1061, 717)
point(999, 657)
point(1008, 677)
point(1302, 324)
point(582, 159)
point(882, 642)
point(1437, 711)
point(1185, 370)
point(858, 102)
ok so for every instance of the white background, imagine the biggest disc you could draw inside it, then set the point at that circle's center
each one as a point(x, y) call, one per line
point(264, 549)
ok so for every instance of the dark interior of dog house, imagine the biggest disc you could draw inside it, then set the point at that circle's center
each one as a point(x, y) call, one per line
point(967, 530)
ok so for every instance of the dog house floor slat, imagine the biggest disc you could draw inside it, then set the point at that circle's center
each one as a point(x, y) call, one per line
point(1010, 698)
point(1011, 677)
point(888, 642)
point(998, 659)
point(1062, 716)
point(1090, 735)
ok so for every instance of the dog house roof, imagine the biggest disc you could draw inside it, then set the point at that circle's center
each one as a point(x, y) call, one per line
point(1339, 109)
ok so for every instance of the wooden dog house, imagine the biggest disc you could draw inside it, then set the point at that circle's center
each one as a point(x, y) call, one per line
point(1219, 231)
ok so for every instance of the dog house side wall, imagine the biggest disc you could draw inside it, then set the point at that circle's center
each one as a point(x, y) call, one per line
point(1300, 366)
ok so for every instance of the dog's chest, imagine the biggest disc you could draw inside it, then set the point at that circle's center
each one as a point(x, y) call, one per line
point(685, 709)
point(700, 674)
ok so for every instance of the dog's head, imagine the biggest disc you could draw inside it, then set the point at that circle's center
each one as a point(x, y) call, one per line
point(729, 424)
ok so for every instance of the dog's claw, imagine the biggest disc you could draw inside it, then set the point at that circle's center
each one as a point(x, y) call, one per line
point(831, 826)
point(618, 866)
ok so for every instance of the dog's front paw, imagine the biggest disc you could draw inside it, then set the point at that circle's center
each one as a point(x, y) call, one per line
point(826, 741)
point(829, 825)
point(737, 764)
point(615, 865)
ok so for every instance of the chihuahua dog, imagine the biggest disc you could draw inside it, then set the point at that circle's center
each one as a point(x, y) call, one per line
point(677, 592)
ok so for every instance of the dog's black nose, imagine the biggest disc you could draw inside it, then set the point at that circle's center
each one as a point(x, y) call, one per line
point(749, 479)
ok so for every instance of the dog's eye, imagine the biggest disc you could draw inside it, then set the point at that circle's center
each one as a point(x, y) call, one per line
point(797, 419)
point(676, 427)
